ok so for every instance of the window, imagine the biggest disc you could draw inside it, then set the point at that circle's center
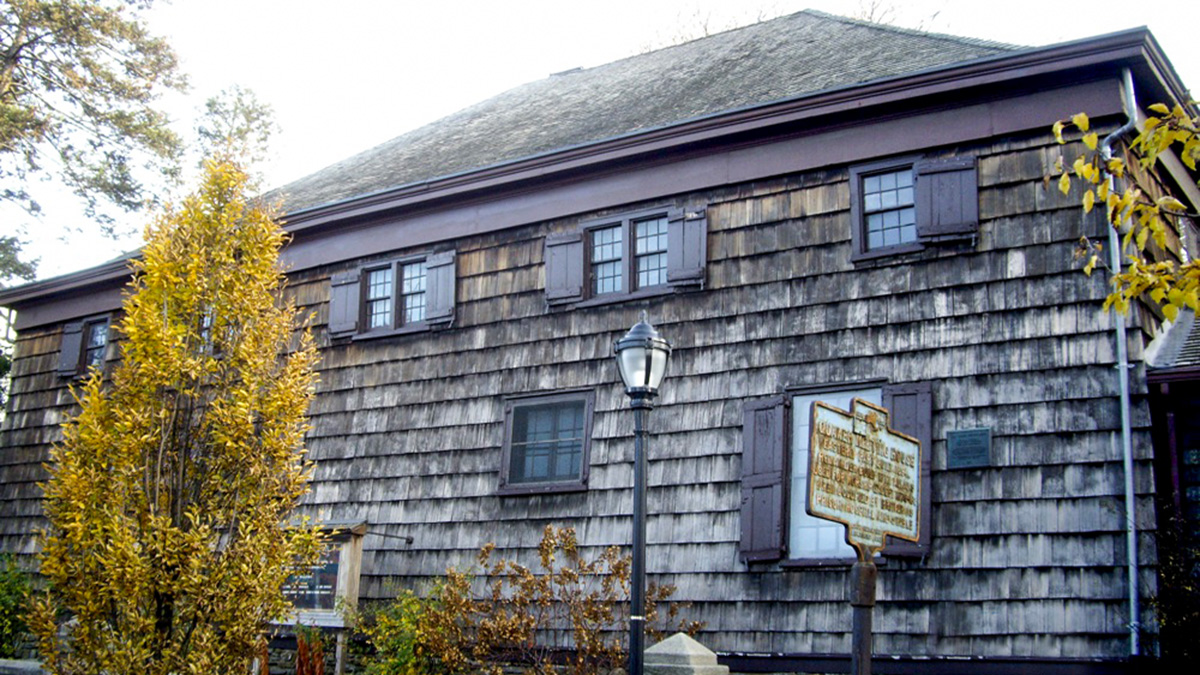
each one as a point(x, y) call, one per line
point(546, 442)
point(903, 205)
point(84, 345)
point(95, 342)
point(646, 253)
point(393, 297)
point(775, 436)
point(321, 591)
point(616, 267)
point(890, 217)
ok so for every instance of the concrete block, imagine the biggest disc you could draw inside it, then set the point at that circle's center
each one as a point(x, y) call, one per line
point(681, 655)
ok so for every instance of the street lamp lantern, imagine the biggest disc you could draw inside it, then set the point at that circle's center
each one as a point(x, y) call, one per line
point(642, 359)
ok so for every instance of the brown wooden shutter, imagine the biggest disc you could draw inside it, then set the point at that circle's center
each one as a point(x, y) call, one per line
point(564, 268)
point(764, 479)
point(71, 349)
point(344, 299)
point(947, 199)
point(440, 287)
point(911, 407)
point(687, 247)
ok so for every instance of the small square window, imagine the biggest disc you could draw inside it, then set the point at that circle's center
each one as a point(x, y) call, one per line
point(889, 208)
point(546, 442)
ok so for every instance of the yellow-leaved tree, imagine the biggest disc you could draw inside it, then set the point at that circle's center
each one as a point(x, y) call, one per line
point(169, 499)
point(1139, 208)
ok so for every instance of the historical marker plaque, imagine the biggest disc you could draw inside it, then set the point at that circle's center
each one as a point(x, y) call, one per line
point(968, 448)
point(863, 474)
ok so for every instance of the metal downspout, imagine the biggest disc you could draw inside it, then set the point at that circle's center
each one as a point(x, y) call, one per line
point(1114, 251)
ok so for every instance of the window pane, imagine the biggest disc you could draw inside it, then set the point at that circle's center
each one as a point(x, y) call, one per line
point(650, 259)
point(547, 442)
point(412, 292)
point(651, 235)
point(95, 339)
point(607, 247)
point(379, 313)
point(607, 277)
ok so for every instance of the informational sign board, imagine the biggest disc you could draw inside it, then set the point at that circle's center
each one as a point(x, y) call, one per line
point(863, 474)
point(315, 587)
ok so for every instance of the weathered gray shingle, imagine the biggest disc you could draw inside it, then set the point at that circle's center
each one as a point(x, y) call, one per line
point(787, 57)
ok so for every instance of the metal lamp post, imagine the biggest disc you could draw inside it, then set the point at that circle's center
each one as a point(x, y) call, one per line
point(642, 359)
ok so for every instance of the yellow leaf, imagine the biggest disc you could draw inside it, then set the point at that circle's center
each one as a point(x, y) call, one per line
point(1142, 235)
point(1080, 120)
point(1172, 204)
point(1158, 294)
point(1064, 183)
point(1058, 129)
point(1090, 140)
point(1089, 200)
point(1091, 265)
point(1171, 311)
point(1160, 109)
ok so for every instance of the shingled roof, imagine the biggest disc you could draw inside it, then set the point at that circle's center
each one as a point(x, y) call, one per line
point(791, 56)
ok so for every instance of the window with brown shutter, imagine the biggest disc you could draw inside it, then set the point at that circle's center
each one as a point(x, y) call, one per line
point(392, 297)
point(904, 204)
point(628, 256)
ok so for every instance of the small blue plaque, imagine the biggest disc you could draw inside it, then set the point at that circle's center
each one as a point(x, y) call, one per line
point(968, 448)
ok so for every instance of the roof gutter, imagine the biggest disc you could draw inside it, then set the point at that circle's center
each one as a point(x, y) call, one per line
point(1114, 254)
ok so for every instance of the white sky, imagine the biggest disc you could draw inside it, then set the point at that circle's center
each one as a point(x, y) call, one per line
point(345, 76)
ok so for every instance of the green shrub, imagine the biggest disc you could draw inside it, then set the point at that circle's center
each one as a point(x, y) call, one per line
point(14, 589)
point(455, 631)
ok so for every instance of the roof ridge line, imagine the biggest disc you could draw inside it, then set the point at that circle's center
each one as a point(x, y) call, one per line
point(948, 37)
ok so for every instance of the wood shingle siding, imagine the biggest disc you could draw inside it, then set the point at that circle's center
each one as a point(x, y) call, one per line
point(407, 431)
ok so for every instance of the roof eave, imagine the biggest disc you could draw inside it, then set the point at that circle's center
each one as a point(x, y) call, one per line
point(111, 272)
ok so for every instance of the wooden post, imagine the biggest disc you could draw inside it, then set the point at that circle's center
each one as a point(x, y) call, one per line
point(862, 600)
